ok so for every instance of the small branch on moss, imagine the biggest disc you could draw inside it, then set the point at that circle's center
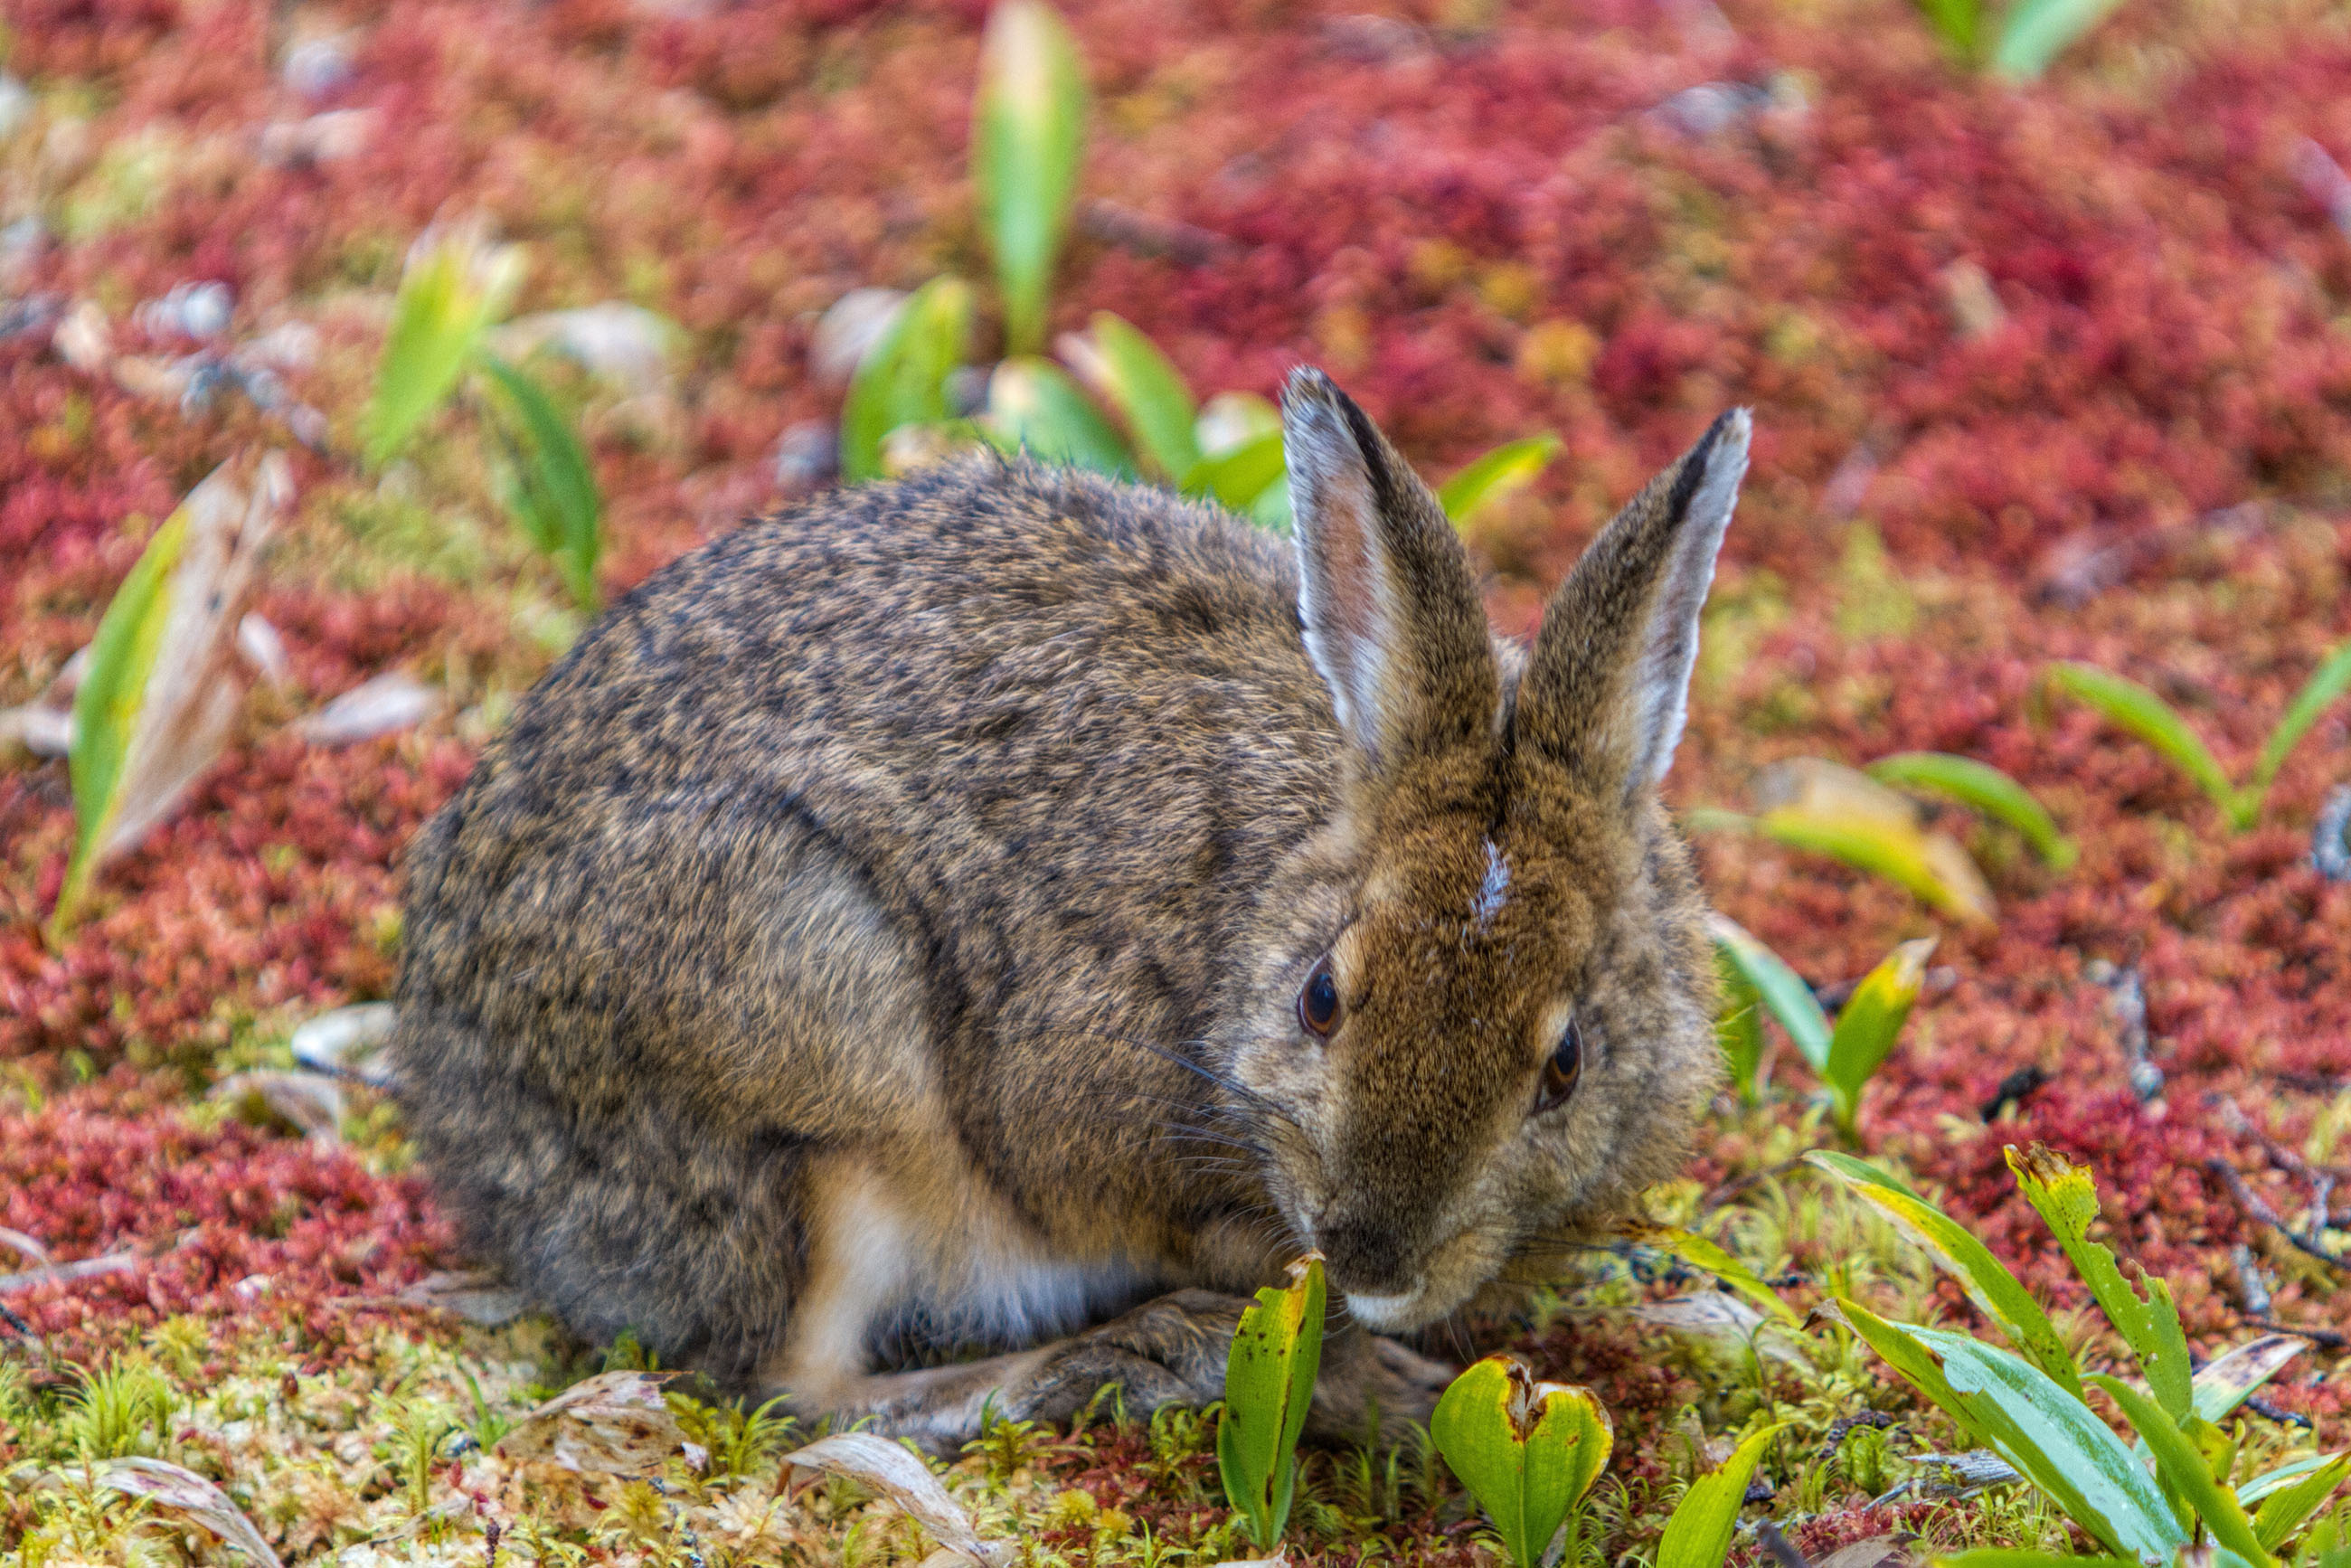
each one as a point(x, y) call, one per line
point(1147, 234)
point(2257, 1209)
point(61, 1273)
point(2325, 1338)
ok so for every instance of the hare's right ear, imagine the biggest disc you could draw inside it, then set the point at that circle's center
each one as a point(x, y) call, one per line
point(1393, 618)
point(1608, 682)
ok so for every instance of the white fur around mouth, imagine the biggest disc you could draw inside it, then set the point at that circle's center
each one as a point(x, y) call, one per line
point(1386, 1313)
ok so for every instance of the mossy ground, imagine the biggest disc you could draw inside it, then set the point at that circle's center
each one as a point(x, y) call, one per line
point(2050, 372)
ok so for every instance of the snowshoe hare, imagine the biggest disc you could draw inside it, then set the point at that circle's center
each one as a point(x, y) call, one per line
point(1007, 910)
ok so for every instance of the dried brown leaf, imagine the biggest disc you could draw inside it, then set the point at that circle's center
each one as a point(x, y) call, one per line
point(188, 1494)
point(901, 1475)
point(311, 1103)
point(476, 1295)
point(198, 685)
point(613, 1424)
point(381, 705)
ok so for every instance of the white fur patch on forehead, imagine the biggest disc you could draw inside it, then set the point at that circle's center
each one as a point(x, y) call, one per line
point(1494, 890)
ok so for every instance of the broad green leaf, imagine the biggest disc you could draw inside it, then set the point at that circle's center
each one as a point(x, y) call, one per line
point(106, 707)
point(1268, 1384)
point(2067, 1199)
point(2329, 681)
point(1791, 1000)
point(456, 286)
point(1897, 1347)
point(902, 378)
point(1958, 23)
point(2186, 1472)
point(2038, 31)
point(1028, 137)
point(2286, 1505)
point(1810, 802)
point(553, 494)
point(1698, 1533)
point(1496, 474)
point(2055, 1440)
point(2133, 709)
point(1995, 1291)
point(1902, 856)
point(1128, 371)
point(1870, 1023)
point(1701, 1253)
point(1986, 788)
point(1738, 1028)
point(1526, 1450)
point(1238, 475)
point(1034, 407)
point(2227, 1380)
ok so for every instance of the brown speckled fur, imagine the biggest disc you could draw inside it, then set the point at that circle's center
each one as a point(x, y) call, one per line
point(882, 934)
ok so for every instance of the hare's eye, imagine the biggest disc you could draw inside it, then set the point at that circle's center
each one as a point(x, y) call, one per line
point(1318, 1000)
point(1560, 1073)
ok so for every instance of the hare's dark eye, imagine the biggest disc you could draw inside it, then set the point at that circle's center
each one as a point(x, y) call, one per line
point(1560, 1073)
point(1318, 1000)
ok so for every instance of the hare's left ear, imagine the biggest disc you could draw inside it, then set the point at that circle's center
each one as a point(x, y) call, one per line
point(1608, 684)
point(1392, 614)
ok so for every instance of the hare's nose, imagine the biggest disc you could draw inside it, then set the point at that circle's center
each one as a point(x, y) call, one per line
point(1364, 1260)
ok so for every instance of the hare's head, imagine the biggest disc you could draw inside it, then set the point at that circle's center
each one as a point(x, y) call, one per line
point(1484, 1010)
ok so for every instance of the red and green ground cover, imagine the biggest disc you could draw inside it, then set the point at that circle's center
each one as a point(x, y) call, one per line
point(2057, 371)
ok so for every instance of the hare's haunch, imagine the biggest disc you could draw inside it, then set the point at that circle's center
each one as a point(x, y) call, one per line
point(1012, 909)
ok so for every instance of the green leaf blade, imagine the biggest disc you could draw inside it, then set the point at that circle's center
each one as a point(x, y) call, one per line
point(1781, 989)
point(1238, 475)
point(2285, 1507)
point(1029, 134)
point(1698, 1533)
point(2136, 711)
point(1996, 1292)
point(107, 706)
point(902, 380)
point(1129, 372)
point(2052, 1436)
point(1491, 475)
point(1870, 1023)
point(453, 290)
point(1034, 407)
point(2038, 31)
point(2186, 1472)
point(2066, 1199)
point(1982, 788)
point(555, 498)
point(1269, 1375)
point(2328, 683)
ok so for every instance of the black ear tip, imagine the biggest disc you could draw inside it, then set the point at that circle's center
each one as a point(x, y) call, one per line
point(1730, 428)
point(1308, 385)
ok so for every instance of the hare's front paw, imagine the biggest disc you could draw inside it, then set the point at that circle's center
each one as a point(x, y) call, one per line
point(1170, 1351)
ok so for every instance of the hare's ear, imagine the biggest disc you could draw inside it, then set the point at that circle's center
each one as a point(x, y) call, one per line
point(1606, 689)
point(1393, 619)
